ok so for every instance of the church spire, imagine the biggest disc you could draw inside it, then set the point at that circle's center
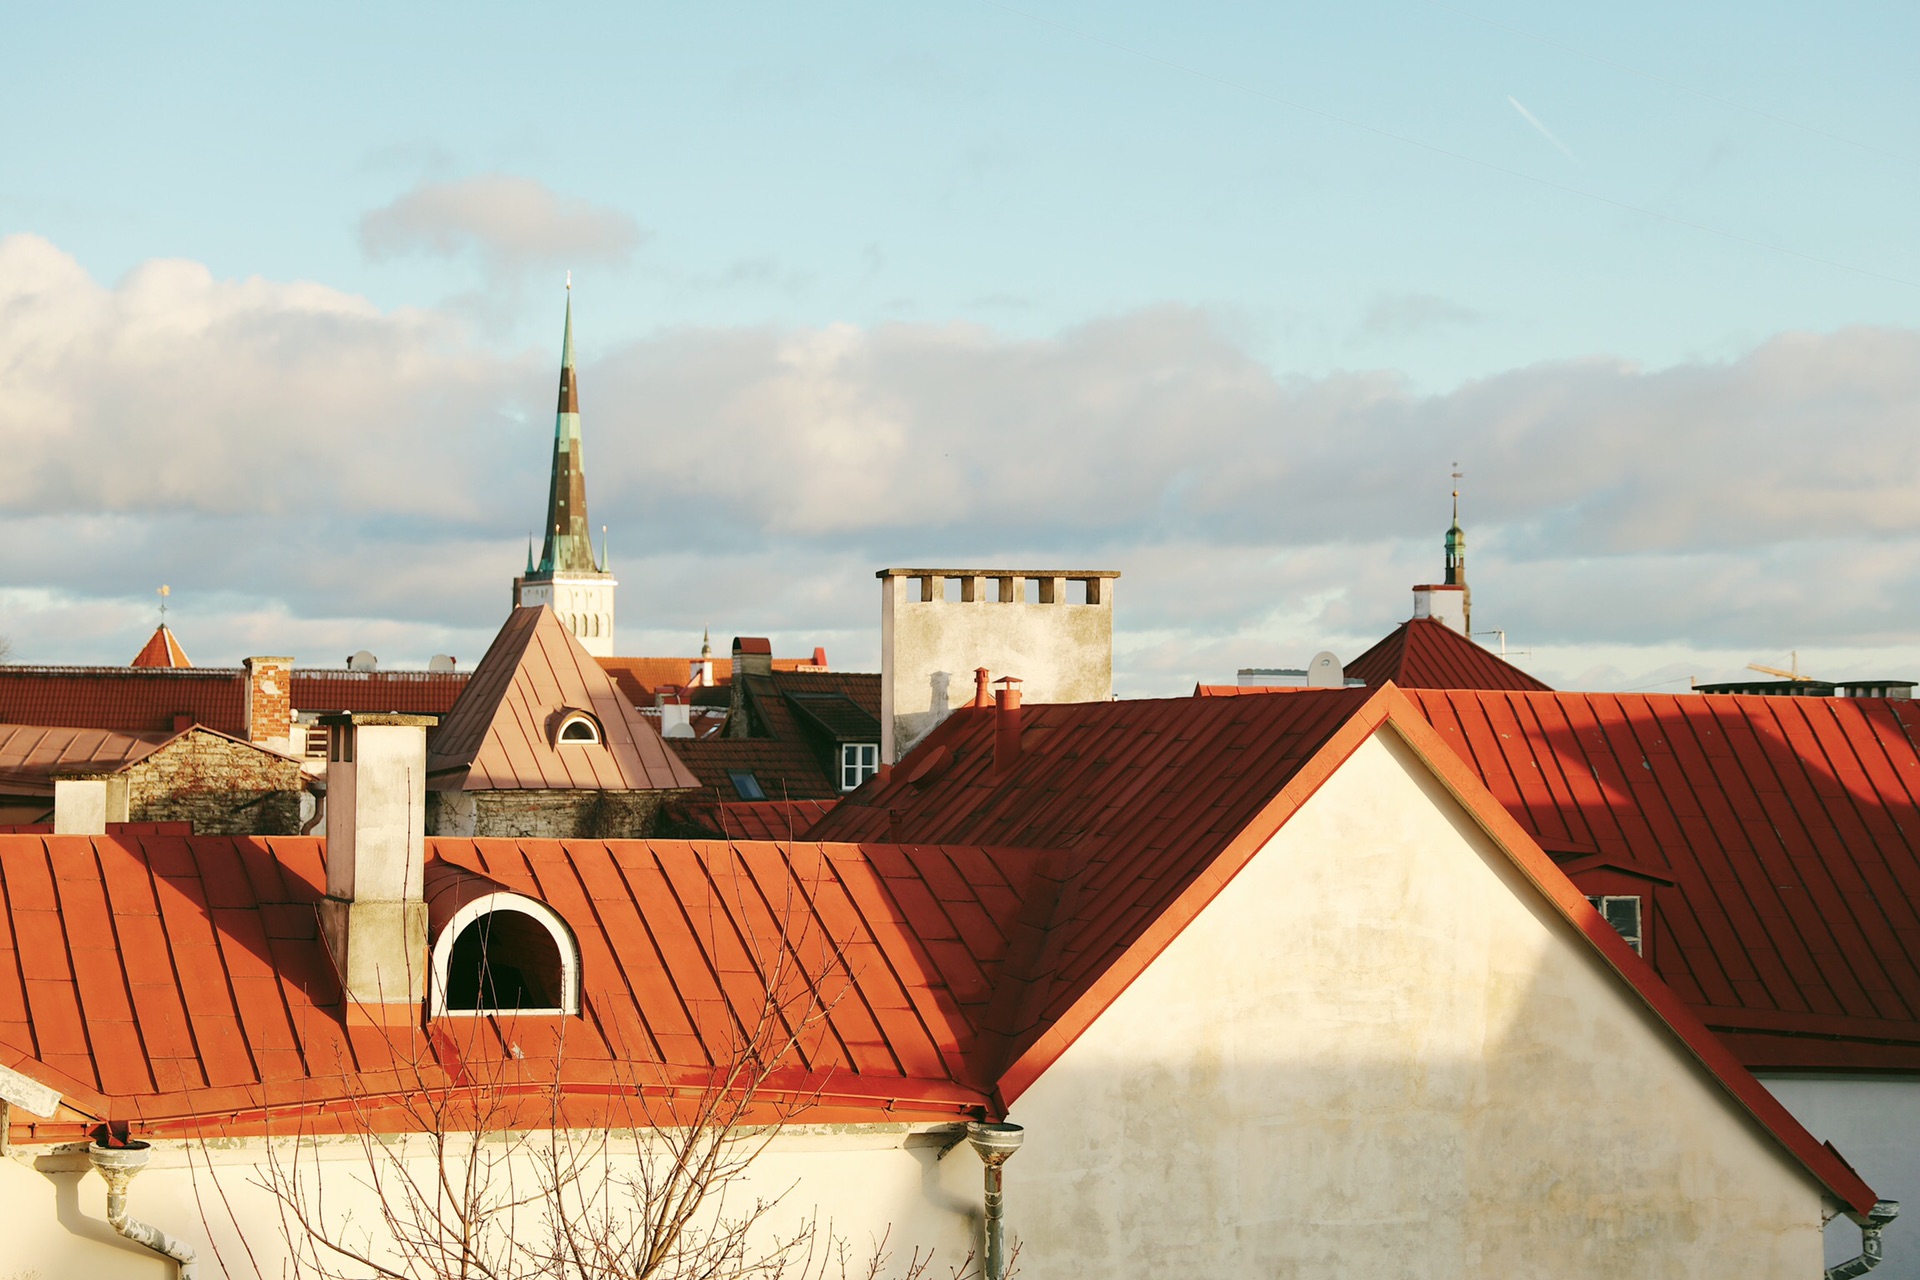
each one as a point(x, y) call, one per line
point(1457, 558)
point(569, 542)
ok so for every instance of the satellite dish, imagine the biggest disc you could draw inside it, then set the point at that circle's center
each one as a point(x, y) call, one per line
point(362, 661)
point(1325, 672)
point(440, 662)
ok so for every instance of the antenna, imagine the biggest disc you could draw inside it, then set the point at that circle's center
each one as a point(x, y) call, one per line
point(163, 593)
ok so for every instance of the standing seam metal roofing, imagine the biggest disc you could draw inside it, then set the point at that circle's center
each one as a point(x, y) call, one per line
point(1422, 653)
point(501, 734)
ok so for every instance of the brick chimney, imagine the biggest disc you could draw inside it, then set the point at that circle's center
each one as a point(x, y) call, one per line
point(268, 703)
point(752, 656)
point(374, 916)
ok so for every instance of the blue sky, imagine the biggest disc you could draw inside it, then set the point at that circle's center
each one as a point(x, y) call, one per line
point(1439, 205)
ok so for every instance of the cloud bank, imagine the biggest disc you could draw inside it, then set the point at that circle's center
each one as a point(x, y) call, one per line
point(313, 469)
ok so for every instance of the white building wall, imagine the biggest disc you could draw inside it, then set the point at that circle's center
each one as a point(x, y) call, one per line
point(1060, 647)
point(871, 1183)
point(1378, 1053)
point(1875, 1121)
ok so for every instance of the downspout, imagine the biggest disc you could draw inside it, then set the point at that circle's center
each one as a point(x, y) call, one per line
point(995, 1144)
point(118, 1165)
point(1883, 1212)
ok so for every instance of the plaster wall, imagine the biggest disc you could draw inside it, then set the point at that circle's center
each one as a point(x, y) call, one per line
point(1061, 651)
point(1379, 1053)
point(1875, 1121)
point(870, 1182)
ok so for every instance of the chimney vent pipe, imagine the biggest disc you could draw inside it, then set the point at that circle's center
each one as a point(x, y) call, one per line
point(1006, 724)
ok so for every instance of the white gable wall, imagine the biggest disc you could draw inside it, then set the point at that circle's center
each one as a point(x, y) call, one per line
point(1875, 1121)
point(1379, 1053)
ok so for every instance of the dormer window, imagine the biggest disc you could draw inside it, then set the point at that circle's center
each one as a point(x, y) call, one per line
point(858, 762)
point(503, 953)
point(1622, 911)
point(578, 727)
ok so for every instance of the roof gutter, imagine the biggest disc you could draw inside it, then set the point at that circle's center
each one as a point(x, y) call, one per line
point(118, 1165)
point(1877, 1218)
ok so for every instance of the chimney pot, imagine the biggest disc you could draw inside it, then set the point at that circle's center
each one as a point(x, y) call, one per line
point(1006, 725)
point(982, 687)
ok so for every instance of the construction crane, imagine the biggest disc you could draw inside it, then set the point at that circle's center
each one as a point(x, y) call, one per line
point(1793, 674)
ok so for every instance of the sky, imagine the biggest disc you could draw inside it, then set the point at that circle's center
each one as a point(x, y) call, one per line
point(1217, 295)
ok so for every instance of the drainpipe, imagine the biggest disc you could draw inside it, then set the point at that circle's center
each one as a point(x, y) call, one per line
point(118, 1165)
point(995, 1144)
point(1883, 1212)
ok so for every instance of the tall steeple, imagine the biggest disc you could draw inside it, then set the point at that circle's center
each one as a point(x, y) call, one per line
point(568, 577)
point(569, 540)
point(1457, 559)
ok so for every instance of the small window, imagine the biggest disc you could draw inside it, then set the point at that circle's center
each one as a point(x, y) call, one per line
point(1623, 913)
point(858, 762)
point(578, 727)
point(502, 953)
point(745, 785)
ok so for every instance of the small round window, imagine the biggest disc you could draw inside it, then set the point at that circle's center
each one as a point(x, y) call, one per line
point(578, 727)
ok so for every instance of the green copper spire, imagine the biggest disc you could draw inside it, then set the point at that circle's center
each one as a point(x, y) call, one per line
point(569, 542)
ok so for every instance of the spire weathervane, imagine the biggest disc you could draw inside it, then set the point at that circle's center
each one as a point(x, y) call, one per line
point(163, 593)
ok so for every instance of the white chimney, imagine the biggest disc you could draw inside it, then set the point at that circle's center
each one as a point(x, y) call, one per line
point(1443, 602)
point(84, 805)
point(375, 912)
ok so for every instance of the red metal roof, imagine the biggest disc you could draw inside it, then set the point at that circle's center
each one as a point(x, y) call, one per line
point(638, 678)
point(1790, 828)
point(1422, 653)
point(161, 650)
point(179, 983)
point(757, 819)
point(423, 693)
point(31, 754)
point(502, 734)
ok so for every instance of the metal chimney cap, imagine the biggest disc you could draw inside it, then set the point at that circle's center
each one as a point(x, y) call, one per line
point(995, 1142)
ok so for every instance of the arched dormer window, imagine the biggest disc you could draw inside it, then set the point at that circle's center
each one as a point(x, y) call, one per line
point(503, 953)
point(579, 727)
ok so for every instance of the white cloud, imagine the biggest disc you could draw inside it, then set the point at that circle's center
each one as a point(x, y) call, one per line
point(511, 224)
point(327, 470)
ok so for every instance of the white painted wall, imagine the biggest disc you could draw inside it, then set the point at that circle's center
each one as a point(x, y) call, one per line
point(1062, 652)
point(1875, 1121)
point(1377, 1053)
point(870, 1182)
point(584, 603)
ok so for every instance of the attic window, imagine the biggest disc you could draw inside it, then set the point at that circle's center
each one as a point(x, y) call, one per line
point(858, 762)
point(1622, 911)
point(579, 727)
point(745, 785)
point(503, 953)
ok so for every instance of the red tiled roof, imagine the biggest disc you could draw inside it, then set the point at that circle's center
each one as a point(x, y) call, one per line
point(1422, 653)
point(124, 699)
point(149, 699)
point(423, 693)
point(639, 677)
point(501, 735)
point(161, 650)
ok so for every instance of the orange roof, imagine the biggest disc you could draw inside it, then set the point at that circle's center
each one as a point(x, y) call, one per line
point(1422, 653)
point(968, 970)
point(161, 650)
point(503, 733)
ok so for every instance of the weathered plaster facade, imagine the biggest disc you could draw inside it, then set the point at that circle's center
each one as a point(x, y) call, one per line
point(1060, 646)
point(1379, 1053)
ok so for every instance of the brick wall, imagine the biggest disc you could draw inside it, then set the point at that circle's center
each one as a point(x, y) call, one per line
point(221, 786)
point(268, 702)
point(552, 815)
